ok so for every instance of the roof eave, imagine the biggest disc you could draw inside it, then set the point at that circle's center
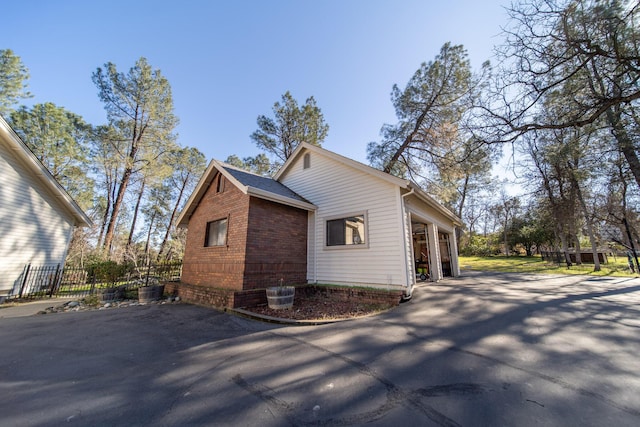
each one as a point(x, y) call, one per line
point(183, 219)
point(20, 149)
point(420, 193)
point(267, 195)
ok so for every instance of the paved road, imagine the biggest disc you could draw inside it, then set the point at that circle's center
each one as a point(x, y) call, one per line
point(482, 350)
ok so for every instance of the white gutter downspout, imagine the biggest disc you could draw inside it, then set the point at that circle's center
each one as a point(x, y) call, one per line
point(404, 246)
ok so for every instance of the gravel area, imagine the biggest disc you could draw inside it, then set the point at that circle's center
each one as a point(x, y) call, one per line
point(305, 307)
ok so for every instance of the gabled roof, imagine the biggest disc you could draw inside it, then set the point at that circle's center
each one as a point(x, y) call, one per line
point(257, 183)
point(15, 145)
point(247, 182)
point(340, 159)
point(402, 183)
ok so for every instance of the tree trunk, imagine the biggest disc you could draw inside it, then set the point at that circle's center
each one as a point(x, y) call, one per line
point(406, 143)
point(625, 144)
point(506, 242)
point(631, 244)
point(135, 213)
point(592, 238)
point(117, 204)
point(105, 217)
point(565, 247)
point(173, 215)
point(146, 246)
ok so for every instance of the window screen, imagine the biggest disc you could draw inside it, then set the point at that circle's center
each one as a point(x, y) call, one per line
point(216, 233)
point(346, 231)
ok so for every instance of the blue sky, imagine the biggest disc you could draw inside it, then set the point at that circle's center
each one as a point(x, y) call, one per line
point(229, 61)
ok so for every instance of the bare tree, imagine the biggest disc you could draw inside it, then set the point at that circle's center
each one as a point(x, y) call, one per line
point(583, 52)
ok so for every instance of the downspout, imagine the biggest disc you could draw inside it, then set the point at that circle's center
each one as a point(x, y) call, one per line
point(315, 247)
point(404, 246)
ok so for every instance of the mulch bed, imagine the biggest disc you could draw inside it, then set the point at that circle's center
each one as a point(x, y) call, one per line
point(321, 307)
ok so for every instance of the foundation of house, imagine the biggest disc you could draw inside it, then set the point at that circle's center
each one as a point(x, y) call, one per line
point(228, 298)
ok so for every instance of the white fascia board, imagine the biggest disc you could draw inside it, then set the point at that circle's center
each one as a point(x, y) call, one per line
point(196, 195)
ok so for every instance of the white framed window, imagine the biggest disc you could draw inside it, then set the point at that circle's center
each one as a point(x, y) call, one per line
point(216, 234)
point(348, 231)
point(306, 161)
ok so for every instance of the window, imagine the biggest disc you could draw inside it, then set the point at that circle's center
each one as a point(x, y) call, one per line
point(216, 234)
point(306, 161)
point(346, 231)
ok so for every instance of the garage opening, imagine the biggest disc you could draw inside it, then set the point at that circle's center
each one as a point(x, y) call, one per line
point(420, 251)
point(445, 254)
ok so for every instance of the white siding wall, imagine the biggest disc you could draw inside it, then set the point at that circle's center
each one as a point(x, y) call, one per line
point(339, 191)
point(33, 227)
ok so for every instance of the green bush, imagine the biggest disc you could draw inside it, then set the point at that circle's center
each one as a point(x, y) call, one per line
point(479, 246)
point(108, 272)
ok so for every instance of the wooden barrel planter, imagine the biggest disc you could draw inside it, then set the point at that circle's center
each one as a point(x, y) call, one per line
point(280, 297)
point(107, 295)
point(111, 294)
point(150, 293)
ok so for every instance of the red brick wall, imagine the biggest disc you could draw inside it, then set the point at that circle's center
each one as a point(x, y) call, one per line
point(219, 267)
point(216, 297)
point(276, 245)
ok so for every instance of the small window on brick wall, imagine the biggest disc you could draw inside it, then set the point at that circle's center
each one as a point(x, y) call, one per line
point(216, 234)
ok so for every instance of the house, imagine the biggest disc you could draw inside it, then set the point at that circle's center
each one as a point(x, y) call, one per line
point(37, 216)
point(322, 219)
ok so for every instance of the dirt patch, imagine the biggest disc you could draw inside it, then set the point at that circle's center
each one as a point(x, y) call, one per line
point(322, 307)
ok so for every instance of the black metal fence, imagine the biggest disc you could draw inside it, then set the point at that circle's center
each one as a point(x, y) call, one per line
point(74, 282)
point(585, 257)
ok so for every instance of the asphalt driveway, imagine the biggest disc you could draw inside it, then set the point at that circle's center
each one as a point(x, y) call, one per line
point(480, 350)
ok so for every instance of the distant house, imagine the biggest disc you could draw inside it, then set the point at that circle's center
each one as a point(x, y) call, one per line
point(37, 216)
point(322, 219)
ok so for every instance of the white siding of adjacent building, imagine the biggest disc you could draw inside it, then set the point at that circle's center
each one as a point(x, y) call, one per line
point(33, 226)
point(339, 190)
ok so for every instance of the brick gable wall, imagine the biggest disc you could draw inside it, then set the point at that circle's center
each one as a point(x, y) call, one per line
point(218, 267)
point(266, 242)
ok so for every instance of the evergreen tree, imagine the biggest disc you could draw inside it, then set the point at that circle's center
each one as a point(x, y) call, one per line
point(60, 140)
point(291, 125)
point(139, 104)
point(13, 80)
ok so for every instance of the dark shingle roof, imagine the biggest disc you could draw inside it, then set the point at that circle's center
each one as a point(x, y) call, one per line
point(263, 183)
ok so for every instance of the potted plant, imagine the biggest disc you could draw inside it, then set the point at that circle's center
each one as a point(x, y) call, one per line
point(150, 290)
point(280, 297)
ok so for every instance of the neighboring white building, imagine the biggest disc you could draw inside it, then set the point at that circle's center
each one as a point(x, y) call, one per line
point(37, 216)
point(370, 228)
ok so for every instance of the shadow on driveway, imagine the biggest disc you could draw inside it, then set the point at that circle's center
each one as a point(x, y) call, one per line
point(484, 349)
